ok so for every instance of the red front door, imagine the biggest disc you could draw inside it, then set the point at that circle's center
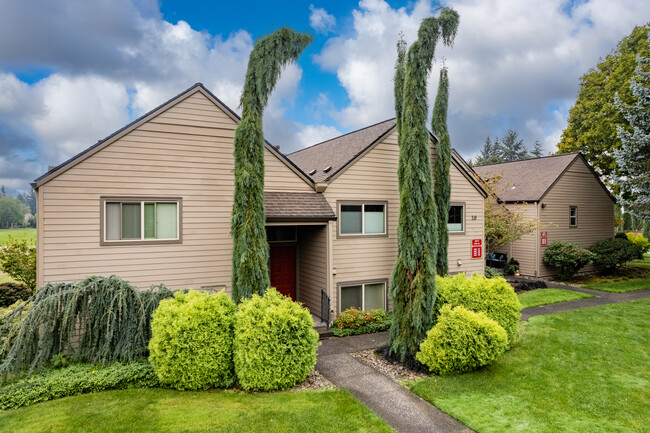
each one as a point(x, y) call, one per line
point(283, 269)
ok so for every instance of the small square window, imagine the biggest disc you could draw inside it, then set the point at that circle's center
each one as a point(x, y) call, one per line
point(573, 216)
point(362, 219)
point(456, 218)
point(368, 296)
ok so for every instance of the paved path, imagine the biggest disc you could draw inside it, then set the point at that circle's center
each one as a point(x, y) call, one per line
point(399, 407)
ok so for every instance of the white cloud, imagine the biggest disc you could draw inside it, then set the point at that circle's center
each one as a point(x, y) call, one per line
point(320, 20)
point(312, 134)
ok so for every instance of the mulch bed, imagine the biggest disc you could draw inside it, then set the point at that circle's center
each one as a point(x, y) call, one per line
point(394, 370)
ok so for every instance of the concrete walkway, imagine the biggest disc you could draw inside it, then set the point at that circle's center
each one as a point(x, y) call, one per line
point(399, 407)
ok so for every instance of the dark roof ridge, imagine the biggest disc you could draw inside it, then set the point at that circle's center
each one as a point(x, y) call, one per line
point(339, 136)
point(530, 159)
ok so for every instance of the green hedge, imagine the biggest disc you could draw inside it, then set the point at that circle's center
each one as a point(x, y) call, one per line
point(492, 296)
point(355, 322)
point(275, 342)
point(192, 340)
point(567, 257)
point(462, 341)
point(77, 379)
point(610, 254)
point(11, 292)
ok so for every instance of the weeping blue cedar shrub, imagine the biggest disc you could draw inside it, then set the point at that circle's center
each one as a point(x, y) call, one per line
point(442, 183)
point(250, 252)
point(413, 277)
point(99, 319)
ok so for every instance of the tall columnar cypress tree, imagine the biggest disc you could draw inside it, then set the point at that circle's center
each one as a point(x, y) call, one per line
point(442, 182)
point(413, 278)
point(250, 252)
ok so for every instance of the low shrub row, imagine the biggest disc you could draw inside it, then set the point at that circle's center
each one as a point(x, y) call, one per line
point(200, 341)
point(77, 379)
point(355, 322)
point(606, 255)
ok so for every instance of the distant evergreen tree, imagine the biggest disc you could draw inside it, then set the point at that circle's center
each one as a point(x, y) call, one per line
point(490, 153)
point(537, 150)
point(442, 180)
point(3, 191)
point(633, 157)
point(250, 254)
point(512, 147)
point(413, 278)
point(28, 199)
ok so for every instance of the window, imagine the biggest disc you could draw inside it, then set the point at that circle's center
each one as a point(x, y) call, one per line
point(367, 296)
point(363, 219)
point(281, 234)
point(456, 220)
point(573, 216)
point(140, 220)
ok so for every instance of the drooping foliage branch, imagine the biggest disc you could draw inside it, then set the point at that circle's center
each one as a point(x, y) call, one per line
point(250, 249)
point(413, 277)
point(442, 178)
point(99, 319)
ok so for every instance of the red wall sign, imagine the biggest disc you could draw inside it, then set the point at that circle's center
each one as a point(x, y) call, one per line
point(477, 252)
point(544, 239)
point(476, 242)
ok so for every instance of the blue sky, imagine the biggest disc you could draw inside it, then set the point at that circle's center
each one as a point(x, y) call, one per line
point(74, 71)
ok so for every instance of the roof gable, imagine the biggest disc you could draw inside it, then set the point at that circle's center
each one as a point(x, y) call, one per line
point(196, 88)
point(529, 179)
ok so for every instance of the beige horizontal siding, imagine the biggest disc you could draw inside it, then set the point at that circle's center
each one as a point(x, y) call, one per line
point(312, 266)
point(460, 244)
point(576, 187)
point(374, 178)
point(185, 151)
point(524, 250)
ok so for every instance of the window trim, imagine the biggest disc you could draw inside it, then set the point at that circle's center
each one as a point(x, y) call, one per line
point(362, 203)
point(573, 226)
point(140, 199)
point(362, 283)
point(464, 218)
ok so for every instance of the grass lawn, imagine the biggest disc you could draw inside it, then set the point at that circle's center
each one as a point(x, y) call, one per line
point(580, 371)
point(20, 234)
point(5, 278)
point(621, 286)
point(158, 410)
point(535, 298)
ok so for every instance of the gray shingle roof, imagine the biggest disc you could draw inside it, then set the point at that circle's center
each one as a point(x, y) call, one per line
point(337, 152)
point(528, 179)
point(297, 206)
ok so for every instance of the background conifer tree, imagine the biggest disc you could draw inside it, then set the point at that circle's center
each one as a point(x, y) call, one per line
point(250, 252)
point(633, 157)
point(442, 183)
point(413, 278)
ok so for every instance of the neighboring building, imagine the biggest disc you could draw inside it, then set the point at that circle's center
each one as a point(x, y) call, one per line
point(152, 203)
point(565, 194)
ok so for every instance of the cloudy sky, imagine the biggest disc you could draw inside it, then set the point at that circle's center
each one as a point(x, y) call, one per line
point(74, 71)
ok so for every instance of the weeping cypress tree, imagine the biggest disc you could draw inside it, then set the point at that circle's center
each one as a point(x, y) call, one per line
point(250, 252)
point(413, 278)
point(442, 182)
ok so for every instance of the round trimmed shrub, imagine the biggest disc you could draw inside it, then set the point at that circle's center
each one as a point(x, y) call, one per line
point(610, 254)
point(192, 338)
point(275, 342)
point(462, 341)
point(492, 296)
point(567, 257)
point(11, 292)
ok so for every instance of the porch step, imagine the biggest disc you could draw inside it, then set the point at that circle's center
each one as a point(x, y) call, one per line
point(323, 332)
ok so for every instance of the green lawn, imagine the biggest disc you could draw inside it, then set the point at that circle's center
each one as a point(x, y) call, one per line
point(535, 298)
point(621, 286)
point(158, 410)
point(20, 234)
point(580, 371)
